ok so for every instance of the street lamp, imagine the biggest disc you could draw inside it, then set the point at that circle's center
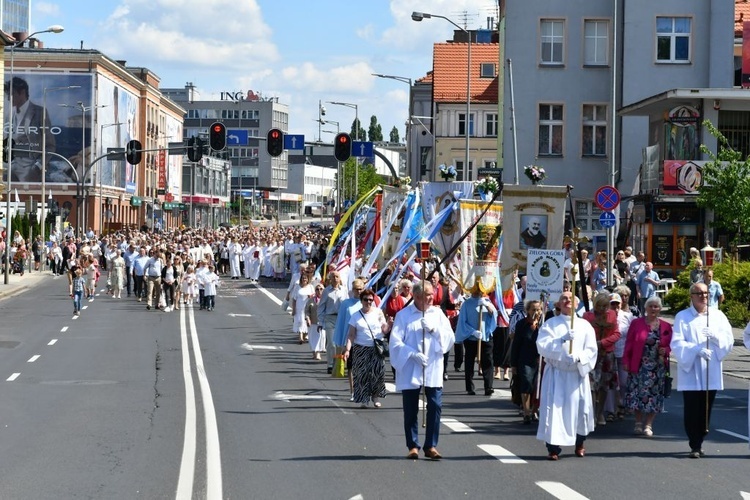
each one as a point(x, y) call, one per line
point(356, 138)
point(99, 168)
point(418, 16)
point(82, 180)
point(56, 28)
point(44, 149)
point(407, 81)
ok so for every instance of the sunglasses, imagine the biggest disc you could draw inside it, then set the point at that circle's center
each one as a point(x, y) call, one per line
point(367, 300)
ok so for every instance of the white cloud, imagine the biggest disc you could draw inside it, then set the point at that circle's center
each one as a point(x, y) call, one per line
point(46, 9)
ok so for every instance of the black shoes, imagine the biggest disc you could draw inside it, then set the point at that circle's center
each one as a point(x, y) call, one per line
point(489, 392)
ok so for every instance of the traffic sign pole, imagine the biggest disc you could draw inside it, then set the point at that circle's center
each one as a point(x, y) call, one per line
point(607, 198)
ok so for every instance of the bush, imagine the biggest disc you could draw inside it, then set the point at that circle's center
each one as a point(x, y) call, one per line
point(735, 281)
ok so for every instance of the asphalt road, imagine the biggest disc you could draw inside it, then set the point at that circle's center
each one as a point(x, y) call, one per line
point(128, 403)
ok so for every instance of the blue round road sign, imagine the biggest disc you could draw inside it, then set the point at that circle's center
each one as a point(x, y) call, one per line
point(607, 219)
point(607, 198)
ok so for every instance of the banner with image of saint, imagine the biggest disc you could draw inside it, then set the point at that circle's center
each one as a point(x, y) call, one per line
point(545, 272)
point(435, 197)
point(480, 250)
point(534, 220)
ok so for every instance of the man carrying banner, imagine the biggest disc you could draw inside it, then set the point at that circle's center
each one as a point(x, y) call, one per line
point(477, 320)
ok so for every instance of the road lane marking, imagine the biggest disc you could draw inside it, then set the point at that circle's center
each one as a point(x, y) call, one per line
point(64, 329)
point(214, 487)
point(52, 342)
point(733, 434)
point(455, 425)
point(250, 347)
point(85, 307)
point(33, 358)
point(501, 454)
point(13, 377)
point(269, 295)
point(500, 394)
point(235, 315)
point(559, 490)
point(281, 396)
point(745, 495)
point(187, 463)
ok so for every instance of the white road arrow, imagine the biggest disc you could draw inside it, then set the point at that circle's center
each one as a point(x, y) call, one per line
point(281, 396)
point(262, 347)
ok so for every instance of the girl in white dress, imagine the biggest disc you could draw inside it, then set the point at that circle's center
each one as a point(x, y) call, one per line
point(189, 286)
point(299, 297)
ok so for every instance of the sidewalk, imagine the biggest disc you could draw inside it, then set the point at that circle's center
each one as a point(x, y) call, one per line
point(737, 363)
point(18, 284)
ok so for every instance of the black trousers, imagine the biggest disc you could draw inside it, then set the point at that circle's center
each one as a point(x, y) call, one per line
point(140, 286)
point(128, 280)
point(694, 416)
point(470, 354)
point(168, 290)
point(501, 347)
point(458, 358)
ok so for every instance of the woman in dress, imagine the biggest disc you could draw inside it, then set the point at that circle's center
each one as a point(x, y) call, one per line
point(646, 359)
point(117, 274)
point(299, 295)
point(189, 286)
point(179, 272)
point(316, 338)
point(365, 326)
point(524, 356)
point(604, 374)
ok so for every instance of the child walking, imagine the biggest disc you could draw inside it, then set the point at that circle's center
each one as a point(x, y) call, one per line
point(76, 290)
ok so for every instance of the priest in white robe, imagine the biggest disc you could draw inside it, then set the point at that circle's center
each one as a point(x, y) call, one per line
point(566, 411)
point(420, 336)
point(701, 339)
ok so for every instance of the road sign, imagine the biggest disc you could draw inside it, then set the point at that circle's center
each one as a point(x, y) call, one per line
point(492, 172)
point(294, 142)
point(607, 219)
point(236, 137)
point(362, 149)
point(607, 198)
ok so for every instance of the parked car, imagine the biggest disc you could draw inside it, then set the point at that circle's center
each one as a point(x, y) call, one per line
point(314, 225)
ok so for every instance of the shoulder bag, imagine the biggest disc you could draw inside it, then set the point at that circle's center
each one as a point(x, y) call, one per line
point(381, 346)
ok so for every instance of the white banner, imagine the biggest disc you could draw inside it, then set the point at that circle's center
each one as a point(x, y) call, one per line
point(435, 197)
point(545, 273)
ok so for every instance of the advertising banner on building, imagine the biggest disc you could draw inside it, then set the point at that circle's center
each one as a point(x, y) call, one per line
point(63, 131)
point(161, 165)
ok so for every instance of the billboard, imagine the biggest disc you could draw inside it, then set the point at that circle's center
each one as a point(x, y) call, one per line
point(68, 98)
point(118, 124)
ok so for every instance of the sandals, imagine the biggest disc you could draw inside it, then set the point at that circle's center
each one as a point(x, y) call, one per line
point(610, 417)
point(638, 429)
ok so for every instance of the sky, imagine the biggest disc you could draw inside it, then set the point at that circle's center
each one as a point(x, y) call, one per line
point(301, 51)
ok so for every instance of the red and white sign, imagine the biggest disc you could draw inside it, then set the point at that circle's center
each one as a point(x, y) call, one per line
point(161, 163)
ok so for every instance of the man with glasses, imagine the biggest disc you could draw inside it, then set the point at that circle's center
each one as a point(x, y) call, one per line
point(701, 339)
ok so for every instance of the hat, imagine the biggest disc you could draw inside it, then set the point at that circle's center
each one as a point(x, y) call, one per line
point(615, 297)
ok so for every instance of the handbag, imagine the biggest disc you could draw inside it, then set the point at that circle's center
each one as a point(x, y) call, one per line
point(381, 346)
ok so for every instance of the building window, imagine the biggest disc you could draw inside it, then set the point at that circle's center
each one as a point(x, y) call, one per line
point(673, 39)
point(595, 43)
point(463, 174)
point(552, 41)
point(550, 129)
point(487, 70)
point(490, 125)
point(462, 124)
point(594, 133)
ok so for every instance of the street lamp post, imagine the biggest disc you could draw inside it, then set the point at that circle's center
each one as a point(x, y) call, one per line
point(356, 138)
point(45, 130)
point(52, 29)
point(408, 81)
point(418, 16)
point(99, 171)
point(81, 217)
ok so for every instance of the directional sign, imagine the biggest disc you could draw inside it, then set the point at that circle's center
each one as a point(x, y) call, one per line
point(607, 219)
point(236, 137)
point(607, 198)
point(362, 149)
point(294, 142)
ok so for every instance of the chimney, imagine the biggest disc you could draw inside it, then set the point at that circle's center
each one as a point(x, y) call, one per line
point(20, 36)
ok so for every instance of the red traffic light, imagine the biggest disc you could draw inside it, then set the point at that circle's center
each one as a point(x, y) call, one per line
point(275, 142)
point(218, 136)
point(275, 134)
point(342, 147)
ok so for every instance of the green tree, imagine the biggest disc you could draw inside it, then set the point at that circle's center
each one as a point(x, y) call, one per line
point(356, 124)
point(375, 133)
point(726, 185)
point(394, 135)
point(367, 179)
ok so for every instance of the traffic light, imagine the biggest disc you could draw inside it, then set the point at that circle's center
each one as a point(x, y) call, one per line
point(342, 147)
point(275, 142)
point(5, 149)
point(218, 136)
point(133, 152)
point(194, 149)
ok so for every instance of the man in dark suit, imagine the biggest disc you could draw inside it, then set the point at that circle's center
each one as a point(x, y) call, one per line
point(27, 133)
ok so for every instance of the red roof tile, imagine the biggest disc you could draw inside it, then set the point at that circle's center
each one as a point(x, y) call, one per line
point(741, 13)
point(449, 64)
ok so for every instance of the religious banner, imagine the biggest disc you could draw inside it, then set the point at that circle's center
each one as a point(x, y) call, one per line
point(435, 197)
point(480, 250)
point(544, 274)
point(534, 218)
point(392, 212)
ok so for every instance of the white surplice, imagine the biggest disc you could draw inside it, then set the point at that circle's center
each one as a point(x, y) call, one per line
point(566, 408)
point(406, 338)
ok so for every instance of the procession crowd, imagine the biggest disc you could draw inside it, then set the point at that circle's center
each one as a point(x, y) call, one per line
point(571, 367)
